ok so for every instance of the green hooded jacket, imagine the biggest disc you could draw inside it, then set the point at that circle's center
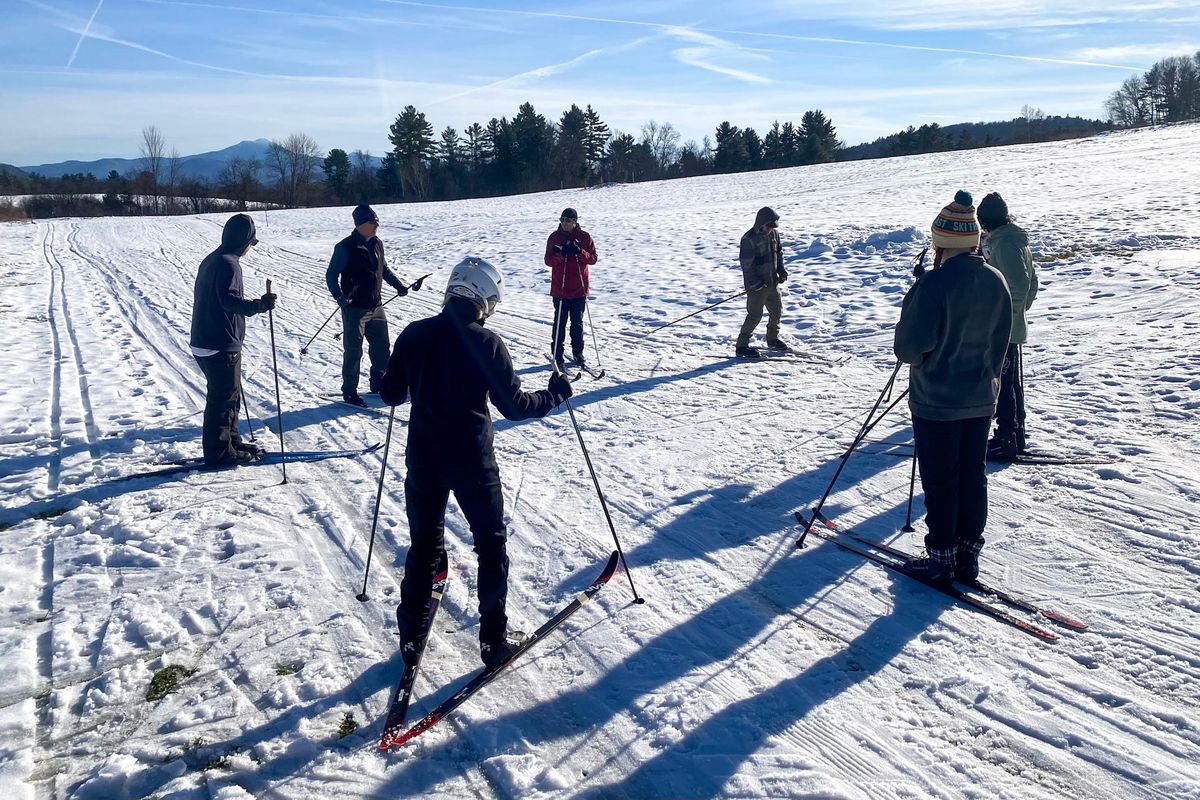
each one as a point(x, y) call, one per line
point(1007, 249)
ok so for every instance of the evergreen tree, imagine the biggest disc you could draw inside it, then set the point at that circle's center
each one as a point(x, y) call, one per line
point(773, 147)
point(789, 145)
point(533, 142)
point(388, 176)
point(818, 138)
point(692, 160)
point(754, 148)
point(570, 149)
point(596, 136)
point(730, 155)
point(412, 145)
point(337, 172)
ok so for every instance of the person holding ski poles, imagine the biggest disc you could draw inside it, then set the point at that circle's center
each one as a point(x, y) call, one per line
point(762, 272)
point(449, 366)
point(355, 278)
point(569, 252)
point(1006, 247)
point(954, 329)
point(219, 314)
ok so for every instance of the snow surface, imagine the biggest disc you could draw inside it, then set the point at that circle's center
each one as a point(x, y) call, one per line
point(754, 669)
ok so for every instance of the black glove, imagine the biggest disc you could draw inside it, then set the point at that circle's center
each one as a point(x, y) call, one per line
point(401, 290)
point(571, 248)
point(267, 302)
point(560, 388)
point(781, 273)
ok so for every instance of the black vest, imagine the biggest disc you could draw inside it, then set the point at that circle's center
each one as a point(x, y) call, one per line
point(362, 282)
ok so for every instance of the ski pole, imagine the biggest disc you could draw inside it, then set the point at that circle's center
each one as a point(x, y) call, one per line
point(596, 482)
point(587, 310)
point(387, 443)
point(912, 482)
point(694, 313)
point(870, 422)
point(304, 349)
point(415, 286)
point(246, 408)
point(278, 404)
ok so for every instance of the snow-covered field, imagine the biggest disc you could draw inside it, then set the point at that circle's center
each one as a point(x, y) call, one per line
point(754, 669)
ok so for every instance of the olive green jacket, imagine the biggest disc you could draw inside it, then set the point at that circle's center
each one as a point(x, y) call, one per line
point(1007, 249)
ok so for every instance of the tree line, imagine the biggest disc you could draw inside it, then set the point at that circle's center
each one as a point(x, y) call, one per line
point(1168, 92)
point(528, 153)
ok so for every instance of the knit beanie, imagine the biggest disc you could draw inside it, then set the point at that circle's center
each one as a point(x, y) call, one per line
point(569, 213)
point(364, 213)
point(955, 228)
point(993, 211)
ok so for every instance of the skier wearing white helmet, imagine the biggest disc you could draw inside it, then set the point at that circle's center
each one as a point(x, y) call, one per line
point(448, 366)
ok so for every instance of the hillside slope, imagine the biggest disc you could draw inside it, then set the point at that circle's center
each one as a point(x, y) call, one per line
point(754, 669)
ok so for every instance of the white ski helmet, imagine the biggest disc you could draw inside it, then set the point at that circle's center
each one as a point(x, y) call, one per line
point(478, 281)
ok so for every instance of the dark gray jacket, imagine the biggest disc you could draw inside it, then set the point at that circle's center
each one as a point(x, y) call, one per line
point(761, 258)
point(357, 271)
point(953, 330)
point(219, 310)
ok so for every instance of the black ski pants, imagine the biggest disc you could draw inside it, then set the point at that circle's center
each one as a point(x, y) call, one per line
point(357, 324)
point(952, 458)
point(1010, 409)
point(482, 502)
point(223, 374)
point(572, 309)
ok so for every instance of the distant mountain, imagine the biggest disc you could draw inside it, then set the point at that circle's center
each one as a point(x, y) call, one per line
point(10, 170)
point(201, 165)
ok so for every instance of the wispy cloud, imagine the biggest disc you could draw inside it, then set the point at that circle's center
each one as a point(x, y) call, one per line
point(84, 35)
point(712, 51)
point(1135, 52)
point(547, 70)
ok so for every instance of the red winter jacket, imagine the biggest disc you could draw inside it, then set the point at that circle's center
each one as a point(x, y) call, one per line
point(569, 274)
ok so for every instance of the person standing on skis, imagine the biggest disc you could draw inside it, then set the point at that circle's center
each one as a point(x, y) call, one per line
point(355, 277)
point(219, 314)
point(1006, 248)
point(954, 328)
point(761, 259)
point(449, 366)
point(569, 252)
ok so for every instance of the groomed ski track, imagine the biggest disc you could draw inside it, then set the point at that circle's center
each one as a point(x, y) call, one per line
point(753, 670)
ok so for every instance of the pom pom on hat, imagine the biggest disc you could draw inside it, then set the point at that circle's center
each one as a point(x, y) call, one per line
point(956, 228)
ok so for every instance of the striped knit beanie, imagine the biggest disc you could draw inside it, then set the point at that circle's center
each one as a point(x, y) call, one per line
point(955, 228)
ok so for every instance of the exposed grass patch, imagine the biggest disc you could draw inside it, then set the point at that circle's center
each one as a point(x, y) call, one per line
point(166, 680)
point(348, 725)
point(287, 669)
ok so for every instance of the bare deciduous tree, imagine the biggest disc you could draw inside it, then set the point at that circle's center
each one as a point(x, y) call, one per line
point(294, 161)
point(153, 150)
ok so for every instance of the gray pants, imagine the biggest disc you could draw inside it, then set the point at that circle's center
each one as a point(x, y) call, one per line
point(769, 298)
point(356, 324)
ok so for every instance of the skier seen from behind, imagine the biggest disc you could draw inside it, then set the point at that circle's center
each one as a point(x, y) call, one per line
point(569, 252)
point(355, 277)
point(219, 314)
point(449, 366)
point(954, 329)
point(762, 273)
point(1006, 247)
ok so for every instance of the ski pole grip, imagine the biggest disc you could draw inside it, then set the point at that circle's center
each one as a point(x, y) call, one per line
point(268, 285)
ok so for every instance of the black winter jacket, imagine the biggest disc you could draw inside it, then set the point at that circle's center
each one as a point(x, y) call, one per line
point(449, 366)
point(219, 310)
point(357, 271)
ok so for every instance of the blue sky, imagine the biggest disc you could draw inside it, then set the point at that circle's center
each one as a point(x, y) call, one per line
point(81, 78)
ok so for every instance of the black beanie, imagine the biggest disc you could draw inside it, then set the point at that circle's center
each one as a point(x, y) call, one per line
point(569, 213)
point(364, 213)
point(992, 211)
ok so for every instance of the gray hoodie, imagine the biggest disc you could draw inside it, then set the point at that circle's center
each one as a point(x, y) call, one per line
point(953, 330)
